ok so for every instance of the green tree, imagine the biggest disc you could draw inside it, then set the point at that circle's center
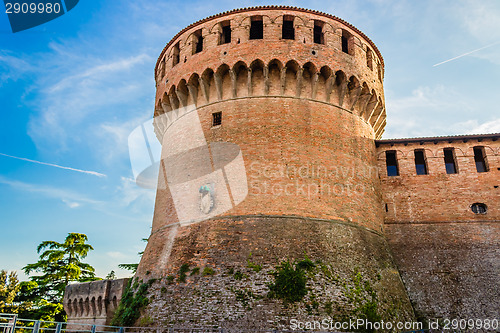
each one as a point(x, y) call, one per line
point(59, 264)
point(111, 275)
point(9, 287)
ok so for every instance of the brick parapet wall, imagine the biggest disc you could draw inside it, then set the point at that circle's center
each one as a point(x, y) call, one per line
point(438, 196)
point(293, 68)
point(93, 303)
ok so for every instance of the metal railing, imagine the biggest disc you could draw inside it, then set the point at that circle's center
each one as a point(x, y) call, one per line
point(10, 323)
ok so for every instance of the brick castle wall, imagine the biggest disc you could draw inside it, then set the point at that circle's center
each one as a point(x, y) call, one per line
point(447, 254)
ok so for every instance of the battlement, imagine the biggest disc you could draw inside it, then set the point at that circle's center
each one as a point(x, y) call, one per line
point(272, 52)
point(442, 179)
point(93, 302)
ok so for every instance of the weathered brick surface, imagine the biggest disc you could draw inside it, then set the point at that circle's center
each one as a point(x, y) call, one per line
point(341, 252)
point(450, 270)
point(447, 255)
point(92, 303)
point(304, 116)
point(438, 196)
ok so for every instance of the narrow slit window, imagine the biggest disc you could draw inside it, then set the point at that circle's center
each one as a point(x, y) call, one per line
point(256, 27)
point(288, 31)
point(225, 36)
point(216, 118)
point(420, 162)
point(391, 161)
point(480, 159)
point(450, 160)
point(319, 37)
point(197, 42)
point(176, 54)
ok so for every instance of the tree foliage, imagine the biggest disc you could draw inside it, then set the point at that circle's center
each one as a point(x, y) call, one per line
point(59, 264)
point(9, 287)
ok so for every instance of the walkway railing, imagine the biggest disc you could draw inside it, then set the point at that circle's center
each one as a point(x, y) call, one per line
point(10, 323)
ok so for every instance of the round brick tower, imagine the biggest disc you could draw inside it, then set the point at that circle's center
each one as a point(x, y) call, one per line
point(267, 118)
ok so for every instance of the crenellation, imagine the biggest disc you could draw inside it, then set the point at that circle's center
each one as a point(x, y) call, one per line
point(92, 303)
point(429, 202)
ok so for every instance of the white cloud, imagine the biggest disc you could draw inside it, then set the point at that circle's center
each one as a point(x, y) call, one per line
point(487, 127)
point(116, 254)
point(113, 137)
point(100, 71)
point(135, 197)
point(78, 93)
point(428, 111)
point(12, 67)
point(89, 172)
point(480, 27)
point(70, 198)
point(71, 204)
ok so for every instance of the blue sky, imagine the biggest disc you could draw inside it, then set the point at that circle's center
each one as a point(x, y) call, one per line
point(73, 89)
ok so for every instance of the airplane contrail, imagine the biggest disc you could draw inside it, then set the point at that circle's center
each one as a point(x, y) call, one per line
point(463, 55)
point(94, 173)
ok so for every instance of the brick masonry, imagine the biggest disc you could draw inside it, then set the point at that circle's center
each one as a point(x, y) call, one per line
point(306, 119)
point(92, 303)
point(447, 255)
point(305, 116)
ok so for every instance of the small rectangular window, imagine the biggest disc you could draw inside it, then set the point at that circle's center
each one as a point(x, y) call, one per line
point(216, 118)
point(225, 37)
point(392, 163)
point(176, 54)
point(450, 161)
point(256, 27)
point(480, 159)
point(318, 33)
point(287, 30)
point(197, 42)
point(420, 162)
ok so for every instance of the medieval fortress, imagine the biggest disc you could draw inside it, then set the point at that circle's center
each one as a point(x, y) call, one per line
point(279, 113)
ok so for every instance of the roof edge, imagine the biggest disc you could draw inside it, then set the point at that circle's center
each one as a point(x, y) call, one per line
point(493, 136)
